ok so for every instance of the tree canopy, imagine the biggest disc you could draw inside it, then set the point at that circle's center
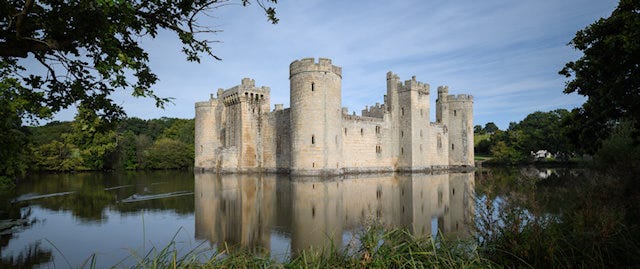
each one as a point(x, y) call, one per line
point(91, 48)
point(607, 74)
point(88, 49)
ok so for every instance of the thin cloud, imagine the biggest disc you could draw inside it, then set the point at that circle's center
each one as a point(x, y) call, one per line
point(506, 53)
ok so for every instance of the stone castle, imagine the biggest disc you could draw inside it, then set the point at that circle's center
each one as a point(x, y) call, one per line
point(237, 131)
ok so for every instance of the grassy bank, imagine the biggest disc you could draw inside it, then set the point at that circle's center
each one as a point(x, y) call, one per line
point(378, 248)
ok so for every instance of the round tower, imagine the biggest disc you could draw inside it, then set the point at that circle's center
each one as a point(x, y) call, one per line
point(206, 133)
point(441, 105)
point(460, 125)
point(316, 116)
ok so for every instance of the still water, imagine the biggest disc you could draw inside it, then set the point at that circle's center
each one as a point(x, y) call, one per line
point(66, 220)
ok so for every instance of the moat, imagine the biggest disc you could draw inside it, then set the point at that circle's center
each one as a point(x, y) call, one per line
point(65, 219)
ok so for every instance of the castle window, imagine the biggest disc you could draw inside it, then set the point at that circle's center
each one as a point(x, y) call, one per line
point(401, 133)
point(345, 131)
point(201, 148)
point(439, 142)
point(454, 113)
point(313, 139)
point(313, 86)
point(361, 131)
point(378, 149)
point(402, 111)
point(377, 129)
point(453, 147)
point(278, 145)
point(401, 151)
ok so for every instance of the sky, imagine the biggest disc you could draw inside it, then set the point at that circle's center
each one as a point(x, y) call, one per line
point(505, 53)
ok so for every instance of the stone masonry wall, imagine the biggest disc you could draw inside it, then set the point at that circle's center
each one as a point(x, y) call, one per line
point(206, 135)
point(460, 126)
point(316, 113)
point(365, 144)
point(276, 141)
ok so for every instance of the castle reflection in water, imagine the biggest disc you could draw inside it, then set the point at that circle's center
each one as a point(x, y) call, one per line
point(247, 210)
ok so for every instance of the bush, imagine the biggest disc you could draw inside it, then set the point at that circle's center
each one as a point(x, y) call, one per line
point(166, 153)
point(6, 183)
point(505, 154)
point(57, 156)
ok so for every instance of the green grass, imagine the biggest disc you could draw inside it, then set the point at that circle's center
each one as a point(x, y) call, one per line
point(378, 248)
point(479, 157)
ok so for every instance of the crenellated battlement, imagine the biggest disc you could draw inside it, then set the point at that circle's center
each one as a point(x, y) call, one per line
point(309, 65)
point(414, 85)
point(443, 90)
point(375, 111)
point(392, 76)
point(361, 118)
point(204, 104)
point(246, 91)
point(460, 98)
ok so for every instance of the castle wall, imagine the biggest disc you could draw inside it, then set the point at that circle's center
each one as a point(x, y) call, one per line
point(276, 143)
point(404, 118)
point(436, 145)
point(365, 144)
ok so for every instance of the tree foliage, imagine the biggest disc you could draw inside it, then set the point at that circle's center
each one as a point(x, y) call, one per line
point(79, 145)
point(166, 153)
point(57, 156)
point(91, 48)
point(538, 131)
point(607, 74)
point(490, 128)
point(544, 131)
point(55, 54)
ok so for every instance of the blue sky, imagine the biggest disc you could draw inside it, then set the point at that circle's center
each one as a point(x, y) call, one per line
point(507, 54)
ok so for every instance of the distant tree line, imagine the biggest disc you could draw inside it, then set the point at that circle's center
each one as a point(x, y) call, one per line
point(537, 131)
point(165, 143)
point(553, 131)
